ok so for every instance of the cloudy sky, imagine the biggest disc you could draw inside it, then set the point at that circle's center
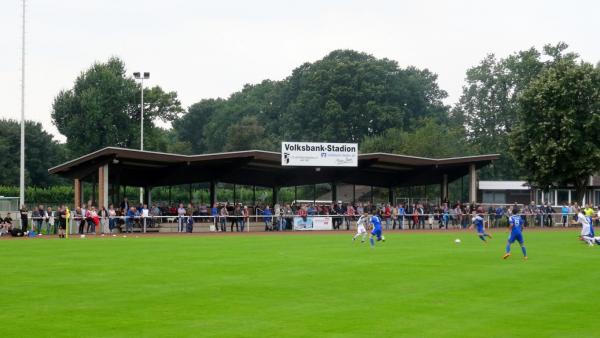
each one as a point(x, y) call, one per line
point(204, 49)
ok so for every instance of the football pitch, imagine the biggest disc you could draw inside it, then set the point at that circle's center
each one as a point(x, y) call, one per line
point(299, 285)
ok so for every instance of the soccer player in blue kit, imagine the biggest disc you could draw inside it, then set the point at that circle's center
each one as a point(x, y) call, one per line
point(478, 222)
point(516, 228)
point(376, 222)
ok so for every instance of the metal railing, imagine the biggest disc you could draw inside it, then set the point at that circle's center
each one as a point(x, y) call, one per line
point(117, 224)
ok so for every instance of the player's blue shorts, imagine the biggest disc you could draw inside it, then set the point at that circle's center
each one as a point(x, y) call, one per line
point(480, 230)
point(515, 237)
point(376, 232)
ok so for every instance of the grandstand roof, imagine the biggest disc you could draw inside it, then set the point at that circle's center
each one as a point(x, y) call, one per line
point(262, 168)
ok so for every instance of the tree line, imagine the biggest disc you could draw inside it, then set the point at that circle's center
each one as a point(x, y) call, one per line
point(527, 105)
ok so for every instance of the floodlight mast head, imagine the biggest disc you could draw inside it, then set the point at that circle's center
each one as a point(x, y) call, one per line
point(136, 75)
point(146, 75)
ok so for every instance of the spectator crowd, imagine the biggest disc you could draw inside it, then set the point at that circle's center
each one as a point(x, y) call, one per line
point(236, 217)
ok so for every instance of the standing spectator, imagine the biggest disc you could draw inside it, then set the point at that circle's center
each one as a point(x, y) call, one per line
point(289, 216)
point(214, 213)
point(531, 212)
point(50, 219)
point(421, 214)
point(82, 213)
point(245, 220)
point(350, 213)
point(88, 219)
point(132, 214)
point(78, 217)
point(387, 215)
point(401, 215)
point(223, 218)
point(104, 221)
point(394, 216)
point(180, 218)
point(549, 215)
point(62, 221)
point(499, 213)
point(95, 219)
point(280, 219)
point(112, 218)
point(155, 213)
point(445, 215)
point(41, 219)
point(145, 213)
point(125, 205)
point(565, 215)
point(237, 215)
point(268, 219)
point(302, 213)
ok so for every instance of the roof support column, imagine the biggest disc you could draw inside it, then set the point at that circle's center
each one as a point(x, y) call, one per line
point(275, 195)
point(334, 192)
point(444, 189)
point(234, 197)
point(76, 192)
point(212, 193)
point(147, 195)
point(103, 186)
point(472, 183)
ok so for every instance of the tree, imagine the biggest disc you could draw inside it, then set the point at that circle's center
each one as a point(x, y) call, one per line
point(349, 95)
point(342, 98)
point(432, 139)
point(103, 109)
point(556, 138)
point(247, 134)
point(190, 127)
point(488, 105)
point(41, 152)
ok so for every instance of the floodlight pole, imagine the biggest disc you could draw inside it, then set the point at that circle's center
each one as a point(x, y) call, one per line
point(22, 169)
point(141, 76)
point(142, 119)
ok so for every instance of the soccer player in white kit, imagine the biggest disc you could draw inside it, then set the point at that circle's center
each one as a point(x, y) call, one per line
point(361, 227)
point(586, 230)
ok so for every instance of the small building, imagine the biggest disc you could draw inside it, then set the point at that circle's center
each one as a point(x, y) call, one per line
point(504, 192)
point(508, 192)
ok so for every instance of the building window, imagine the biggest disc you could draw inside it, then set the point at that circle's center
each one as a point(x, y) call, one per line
point(563, 197)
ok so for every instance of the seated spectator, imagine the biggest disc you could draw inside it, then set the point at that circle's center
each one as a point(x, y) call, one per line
point(3, 230)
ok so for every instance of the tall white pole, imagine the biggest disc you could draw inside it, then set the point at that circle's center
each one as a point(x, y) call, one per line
point(142, 136)
point(142, 119)
point(22, 171)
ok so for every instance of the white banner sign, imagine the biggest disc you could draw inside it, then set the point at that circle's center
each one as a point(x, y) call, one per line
point(319, 154)
point(313, 223)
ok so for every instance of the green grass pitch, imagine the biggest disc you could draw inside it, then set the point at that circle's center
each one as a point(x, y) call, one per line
point(299, 285)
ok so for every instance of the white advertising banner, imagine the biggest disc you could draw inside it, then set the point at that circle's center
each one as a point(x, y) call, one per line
point(316, 154)
point(313, 223)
